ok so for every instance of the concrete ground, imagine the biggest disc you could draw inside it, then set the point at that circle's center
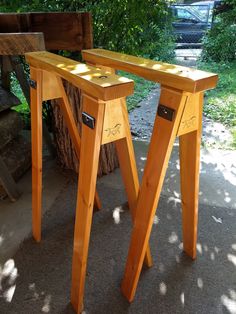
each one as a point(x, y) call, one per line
point(36, 278)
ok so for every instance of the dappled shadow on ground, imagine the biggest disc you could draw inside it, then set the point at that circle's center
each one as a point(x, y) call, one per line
point(175, 284)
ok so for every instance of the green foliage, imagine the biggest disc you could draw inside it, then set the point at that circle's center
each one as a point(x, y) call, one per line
point(220, 42)
point(220, 102)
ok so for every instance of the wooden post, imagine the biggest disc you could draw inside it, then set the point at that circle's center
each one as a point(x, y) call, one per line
point(36, 142)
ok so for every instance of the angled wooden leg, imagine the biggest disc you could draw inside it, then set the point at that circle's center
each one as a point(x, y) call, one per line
point(89, 157)
point(73, 129)
point(127, 162)
point(36, 139)
point(189, 171)
point(162, 141)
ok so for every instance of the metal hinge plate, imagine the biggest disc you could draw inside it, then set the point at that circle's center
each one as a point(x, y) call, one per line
point(166, 112)
point(88, 120)
point(33, 84)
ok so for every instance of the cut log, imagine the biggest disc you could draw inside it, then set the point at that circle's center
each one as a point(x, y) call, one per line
point(10, 126)
point(7, 100)
point(67, 158)
point(17, 158)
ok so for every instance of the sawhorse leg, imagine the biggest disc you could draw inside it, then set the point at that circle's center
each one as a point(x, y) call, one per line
point(173, 103)
point(111, 125)
point(37, 96)
point(189, 173)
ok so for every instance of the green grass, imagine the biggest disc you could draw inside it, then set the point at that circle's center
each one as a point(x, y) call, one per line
point(220, 104)
point(142, 88)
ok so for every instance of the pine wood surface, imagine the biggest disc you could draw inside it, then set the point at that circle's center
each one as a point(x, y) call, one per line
point(179, 77)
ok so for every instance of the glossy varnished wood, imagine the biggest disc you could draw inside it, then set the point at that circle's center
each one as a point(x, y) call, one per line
point(189, 174)
point(89, 157)
point(179, 77)
point(36, 142)
point(92, 80)
point(161, 144)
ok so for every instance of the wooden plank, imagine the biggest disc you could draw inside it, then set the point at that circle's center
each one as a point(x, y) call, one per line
point(162, 140)
point(189, 173)
point(89, 157)
point(20, 43)
point(92, 80)
point(62, 30)
point(87, 26)
point(179, 77)
point(8, 182)
point(36, 142)
point(14, 22)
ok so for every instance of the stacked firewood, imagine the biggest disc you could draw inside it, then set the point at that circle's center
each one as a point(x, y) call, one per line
point(15, 152)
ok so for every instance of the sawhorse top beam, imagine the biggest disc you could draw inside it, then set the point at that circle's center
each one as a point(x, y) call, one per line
point(175, 76)
point(92, 80)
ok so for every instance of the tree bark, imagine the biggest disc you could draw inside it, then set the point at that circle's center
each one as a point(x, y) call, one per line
point(66, 155)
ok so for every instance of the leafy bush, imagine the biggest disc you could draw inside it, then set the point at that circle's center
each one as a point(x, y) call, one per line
point(220, 42)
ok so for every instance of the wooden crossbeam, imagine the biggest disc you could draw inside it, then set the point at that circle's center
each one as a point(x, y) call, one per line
point(92, 80)
point(176, 76)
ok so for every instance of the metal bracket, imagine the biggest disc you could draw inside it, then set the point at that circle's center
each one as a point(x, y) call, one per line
point(165, 112)
point(33, 84)
point(88, 120)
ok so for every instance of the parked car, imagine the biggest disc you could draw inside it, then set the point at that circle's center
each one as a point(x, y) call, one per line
point(190, 23)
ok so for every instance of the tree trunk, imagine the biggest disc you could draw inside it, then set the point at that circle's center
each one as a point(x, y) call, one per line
point(66, 155)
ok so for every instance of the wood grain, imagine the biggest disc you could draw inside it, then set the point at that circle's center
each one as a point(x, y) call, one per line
point(62, 30)
point(92, 80)
point(189, 173)
point(36, 142)
point(90, 147)
point(179, 77)
point(20, 43)
point(162, 140)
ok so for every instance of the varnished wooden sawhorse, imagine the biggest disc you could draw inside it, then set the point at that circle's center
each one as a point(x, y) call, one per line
point(105, 120)
point(179, 114)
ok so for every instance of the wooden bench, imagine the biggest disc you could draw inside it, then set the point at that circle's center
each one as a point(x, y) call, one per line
point(179, 113)
point(105, 120)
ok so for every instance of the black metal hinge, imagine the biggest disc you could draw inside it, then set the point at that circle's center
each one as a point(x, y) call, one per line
point(166, 112)
point(33, 84)
point(88, 120)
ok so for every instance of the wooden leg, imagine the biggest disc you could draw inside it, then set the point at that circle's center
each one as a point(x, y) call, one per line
point(189, 171)
point(89, 157)
point(36, 139)
point(162, 141)
point(72, 128)
point(129, 172)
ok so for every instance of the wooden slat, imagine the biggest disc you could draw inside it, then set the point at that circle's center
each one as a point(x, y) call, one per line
point(92, 80)
point(179, 77)
point(20, 43)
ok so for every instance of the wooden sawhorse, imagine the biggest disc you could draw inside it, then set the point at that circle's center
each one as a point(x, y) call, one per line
point(105, 120)
point(179, 113)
